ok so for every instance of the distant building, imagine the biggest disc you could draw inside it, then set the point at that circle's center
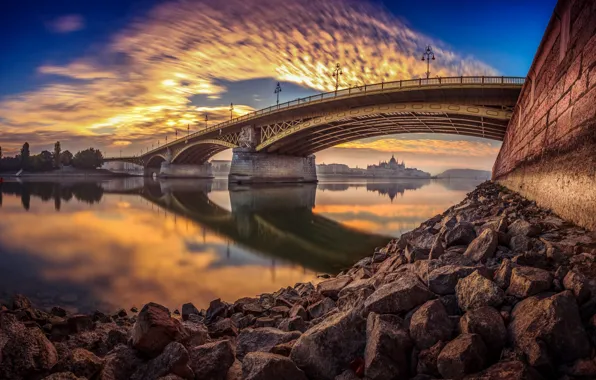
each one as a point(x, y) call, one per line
point(221, 166)
point(395, 170)
point(333, 169)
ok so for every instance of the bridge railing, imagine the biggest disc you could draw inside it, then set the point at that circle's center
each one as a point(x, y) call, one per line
point(359, 90)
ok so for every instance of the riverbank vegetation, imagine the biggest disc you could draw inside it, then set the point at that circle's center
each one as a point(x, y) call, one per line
point(47, 161)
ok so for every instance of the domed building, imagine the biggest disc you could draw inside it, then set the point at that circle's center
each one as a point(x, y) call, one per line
point(394, 169)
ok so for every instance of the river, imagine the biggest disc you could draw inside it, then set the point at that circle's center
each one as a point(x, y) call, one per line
point(87, 245)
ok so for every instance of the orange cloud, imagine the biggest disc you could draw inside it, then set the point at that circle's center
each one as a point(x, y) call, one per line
point(426, 146)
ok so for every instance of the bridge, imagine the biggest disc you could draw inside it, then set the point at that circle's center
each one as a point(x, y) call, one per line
point(277, 143)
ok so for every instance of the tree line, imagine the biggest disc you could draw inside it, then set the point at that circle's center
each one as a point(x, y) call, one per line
point(46, 161)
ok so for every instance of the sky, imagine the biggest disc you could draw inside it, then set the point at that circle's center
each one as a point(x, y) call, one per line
point(120, 75)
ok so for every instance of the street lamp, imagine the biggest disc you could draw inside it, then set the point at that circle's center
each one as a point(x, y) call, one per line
point(231, 110)
point(336, 73)
point(206, 120)
point(277, 91)
point(427, 56)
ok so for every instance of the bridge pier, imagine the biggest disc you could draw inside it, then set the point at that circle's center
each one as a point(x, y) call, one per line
point(169, 170)
point(249, 166)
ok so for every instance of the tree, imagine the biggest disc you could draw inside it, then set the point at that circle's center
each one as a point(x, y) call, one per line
point(57, 154)
point(88, 159)
point(66, 158)
point(25, 156)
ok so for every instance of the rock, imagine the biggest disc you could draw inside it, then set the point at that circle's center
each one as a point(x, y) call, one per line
point(293, 324)
point(24, 352)
point(399, 296)
point(331, 288)
point(79, 323)
point(320, 308)
point(298, 311)
point(520, 243)
point(224, 327)
point(235, 371)
point(347, 375)
point(62, 376)
point(174, 359)
point(283, 349)
point(414, 253)
point(155, 329)
point(464, 355)
point(510, 370)
point(279, 310)
point(488, 324)
point(19, 301)
point(430, 324)
point(502, 276)
point(528, 281)
point(523, 228)
point(454, 257)
point(444, 279)
point(265, 322)
point(326, 349)
point(462, 233)
point(387, 348)
point(437, 249)
point(262, 340)
point(354, 299)
point(549, 330)
point(195, 334)
point(212, 360)
point(266, 366)
point(578, 284)
point(119, 364)
point(253, 308)
point(188, 309)
point(450, 303)
point(427, 360)
point(58, 312)
point(483, 247)
point(476, 291)
point(217, 308)
point(81, 363)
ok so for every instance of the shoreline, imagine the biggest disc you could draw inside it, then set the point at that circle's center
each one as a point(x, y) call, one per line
point(534, 316)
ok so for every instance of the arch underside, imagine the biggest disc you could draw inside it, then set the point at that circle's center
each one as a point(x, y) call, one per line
point(155, 161)
point(312, 139)
point(200, 152)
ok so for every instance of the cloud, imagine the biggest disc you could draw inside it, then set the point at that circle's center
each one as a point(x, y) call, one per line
point(66, 24)
point(141, 83)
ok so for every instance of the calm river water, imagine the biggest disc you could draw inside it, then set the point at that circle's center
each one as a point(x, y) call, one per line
point(124, 242)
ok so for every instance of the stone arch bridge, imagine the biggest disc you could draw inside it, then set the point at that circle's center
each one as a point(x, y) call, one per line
point(278, 143)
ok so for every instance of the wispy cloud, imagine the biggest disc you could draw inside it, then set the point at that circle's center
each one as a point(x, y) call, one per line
point(66, 24)
point(427, 146)
point(140, 84)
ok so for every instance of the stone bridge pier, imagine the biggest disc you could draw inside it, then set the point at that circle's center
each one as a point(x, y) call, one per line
point(250, 166)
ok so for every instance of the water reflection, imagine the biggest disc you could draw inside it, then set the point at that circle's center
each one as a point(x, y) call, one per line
point(129, 241)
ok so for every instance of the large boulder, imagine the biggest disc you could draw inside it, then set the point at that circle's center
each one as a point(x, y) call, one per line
point(24, 352)
point(174, 359)
point(119, 364)
point(476, 291)
point(510, 370)
point(528, 281)
point(262, 339)
point(483, 247)
point(327, 349)
point(464, 355)
point(217, 308)
point(331, 288)
point(444, 279)
point(399, 296)
point(430, 324)
point(488, 323)
point(387, 349)
point(266, 366)
point(155, 329)
point(548, 329)
point(212, 360)
point(462, 233)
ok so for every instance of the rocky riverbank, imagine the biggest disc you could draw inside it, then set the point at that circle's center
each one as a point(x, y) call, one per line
point(493, 288)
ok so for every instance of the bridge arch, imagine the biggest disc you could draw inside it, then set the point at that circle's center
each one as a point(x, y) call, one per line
point(155, 161)
point(200, 151)
point(386, 119)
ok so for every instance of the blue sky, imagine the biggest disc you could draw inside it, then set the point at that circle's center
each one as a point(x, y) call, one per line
point(68, 49)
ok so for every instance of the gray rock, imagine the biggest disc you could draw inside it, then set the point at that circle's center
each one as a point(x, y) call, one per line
point(174, 359)
point(262, 339)
point(462, 233)
point(430, 324)
point(549, 330)
point(444, 279)
point(331, 288)
point(464, 355)
point(195, 334)
point(266, 366)
point(119, 364)
point(502, 276)
point(188, 309)
point(387, 348)
point(327, 349)
point(523, 228)
point(528, 281)
point(221, 328)
point(212, 360)
point(399, 296)
point(488, 323)
point(483, 247)
point(320, 308)
point(155, 329)
point(476, 291)
point(24, 352)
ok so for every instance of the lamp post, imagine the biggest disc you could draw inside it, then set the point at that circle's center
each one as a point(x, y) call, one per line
point(277, 91)
point(206, 120)
point(336, 73)
point(427, 56)
point(231, 110)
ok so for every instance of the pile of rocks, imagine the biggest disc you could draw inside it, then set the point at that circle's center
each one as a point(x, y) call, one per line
point(494, 288)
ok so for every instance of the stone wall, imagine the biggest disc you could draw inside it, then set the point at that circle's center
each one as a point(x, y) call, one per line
point(251, 167)
point(549, 151)
point(186, 171)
